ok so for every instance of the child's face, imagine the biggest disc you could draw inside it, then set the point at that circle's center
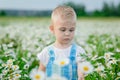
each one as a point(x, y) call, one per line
point(64, 30)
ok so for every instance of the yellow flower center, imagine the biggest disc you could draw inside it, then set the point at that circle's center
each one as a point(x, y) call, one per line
point(37, 76)
point(17, 74)
point(85, 68)
point(107, 56)
point(62, 62)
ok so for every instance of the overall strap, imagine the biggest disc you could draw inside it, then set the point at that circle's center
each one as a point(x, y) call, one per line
point(50, 62)
point(73, 61)
point(73, 52)
point(51, 53)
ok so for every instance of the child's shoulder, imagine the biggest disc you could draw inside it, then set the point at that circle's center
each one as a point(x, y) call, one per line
point(47, 48)
point(44, 52)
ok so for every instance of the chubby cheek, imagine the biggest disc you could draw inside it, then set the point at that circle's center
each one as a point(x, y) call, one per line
point(59, 35)
point(72, 36)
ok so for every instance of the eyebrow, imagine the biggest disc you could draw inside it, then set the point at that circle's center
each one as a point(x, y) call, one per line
point(70, 28)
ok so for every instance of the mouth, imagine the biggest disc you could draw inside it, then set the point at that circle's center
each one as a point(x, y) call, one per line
point(67, 39)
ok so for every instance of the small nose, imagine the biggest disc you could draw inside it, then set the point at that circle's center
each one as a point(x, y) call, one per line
point(67, 33)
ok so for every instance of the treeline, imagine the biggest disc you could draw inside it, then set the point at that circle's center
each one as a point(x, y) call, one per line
point(80, 9)
point(2, 13)
point(106, 11)
point(42, 13)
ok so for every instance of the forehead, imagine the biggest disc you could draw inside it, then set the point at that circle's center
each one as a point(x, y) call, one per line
point(65, 23)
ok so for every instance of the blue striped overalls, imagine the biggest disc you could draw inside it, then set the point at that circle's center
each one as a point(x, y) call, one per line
point(66, 69)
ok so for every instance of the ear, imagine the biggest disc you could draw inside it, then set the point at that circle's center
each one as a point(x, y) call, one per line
point(51, 27)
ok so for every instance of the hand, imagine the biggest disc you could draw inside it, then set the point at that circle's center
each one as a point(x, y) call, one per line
point(80, 78)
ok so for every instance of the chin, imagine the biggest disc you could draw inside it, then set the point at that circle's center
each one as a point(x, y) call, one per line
point(66, 42)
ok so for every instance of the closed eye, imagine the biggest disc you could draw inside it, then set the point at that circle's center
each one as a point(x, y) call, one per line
point(62, 29)
point(71, 30)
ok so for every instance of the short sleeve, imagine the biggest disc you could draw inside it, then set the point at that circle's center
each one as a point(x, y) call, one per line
point(80, 51)
point(43, 56)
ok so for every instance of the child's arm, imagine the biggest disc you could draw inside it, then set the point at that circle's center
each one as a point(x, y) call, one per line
point(80, 74)
point(41, 67)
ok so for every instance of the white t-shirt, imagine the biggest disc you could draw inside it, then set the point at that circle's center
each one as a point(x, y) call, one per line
point(43, 56)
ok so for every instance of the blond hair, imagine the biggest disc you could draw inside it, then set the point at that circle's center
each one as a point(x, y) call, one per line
point(63, 12)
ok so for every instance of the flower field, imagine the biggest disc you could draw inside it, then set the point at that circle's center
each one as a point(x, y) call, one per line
point(21, 39)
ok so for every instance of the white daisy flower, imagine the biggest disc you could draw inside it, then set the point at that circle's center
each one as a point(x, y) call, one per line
point(37, 75)
point(10, 61)
point(118, 73)
point(100, 68)
point(10, 44)
point(17, 76)
point(117, 50)
point(85, 67)
point(62, 62)
point(108, 55)
point(4, 71)
point(15, 67)
point(4, 65)
point(103, 75)
point(112, 61)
